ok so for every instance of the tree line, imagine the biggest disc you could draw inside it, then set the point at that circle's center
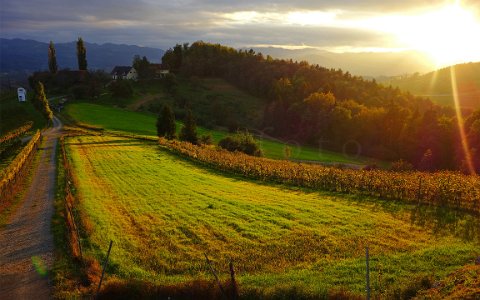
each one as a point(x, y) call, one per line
point(332, 109)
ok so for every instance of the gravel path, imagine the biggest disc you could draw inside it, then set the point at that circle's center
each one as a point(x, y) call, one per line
point(26, 242)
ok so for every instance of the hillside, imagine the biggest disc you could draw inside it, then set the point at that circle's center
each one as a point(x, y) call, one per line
point(17, 55)
point(367, 64)
point(329, 108)
point(14, 114)
point(437, 85)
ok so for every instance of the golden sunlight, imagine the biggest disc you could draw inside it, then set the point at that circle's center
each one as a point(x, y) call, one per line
point(449, 35)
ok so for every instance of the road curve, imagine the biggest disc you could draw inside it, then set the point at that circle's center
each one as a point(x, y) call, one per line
point(26, 242)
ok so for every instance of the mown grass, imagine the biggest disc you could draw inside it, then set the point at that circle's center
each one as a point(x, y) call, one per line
point(164, 212)
point(112, 118)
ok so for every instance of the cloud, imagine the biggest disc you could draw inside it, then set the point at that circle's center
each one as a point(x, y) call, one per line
point(165, 23)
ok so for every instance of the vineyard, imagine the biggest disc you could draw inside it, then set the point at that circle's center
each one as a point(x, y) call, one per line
point(15, 133)
point(10, 176)
point(282, 239)
point(448, 189)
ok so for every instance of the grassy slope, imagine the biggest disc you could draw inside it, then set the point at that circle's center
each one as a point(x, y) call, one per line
point(141, 123)
point(172, 211)
point(438, 85)
point(14, 114)
point(202, 93)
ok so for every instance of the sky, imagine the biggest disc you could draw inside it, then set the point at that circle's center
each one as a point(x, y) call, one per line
point(447, 30)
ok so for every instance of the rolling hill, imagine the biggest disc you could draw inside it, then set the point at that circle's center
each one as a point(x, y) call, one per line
point(367, 64)
point(437, 85)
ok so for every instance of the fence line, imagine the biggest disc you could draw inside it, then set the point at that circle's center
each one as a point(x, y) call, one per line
point(11, 176)
point(69, 201)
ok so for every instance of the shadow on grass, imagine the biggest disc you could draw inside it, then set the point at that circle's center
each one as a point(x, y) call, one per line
point(447, 220)
point(440, 220)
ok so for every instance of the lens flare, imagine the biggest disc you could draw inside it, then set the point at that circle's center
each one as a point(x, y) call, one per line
point(463, 136)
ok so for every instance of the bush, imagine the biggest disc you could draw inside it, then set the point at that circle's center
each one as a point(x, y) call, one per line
point(121, 89)
point(242, 142)
point(206, 139)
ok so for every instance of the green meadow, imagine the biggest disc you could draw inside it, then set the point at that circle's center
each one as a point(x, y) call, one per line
point(163, 213)
point(117, 119)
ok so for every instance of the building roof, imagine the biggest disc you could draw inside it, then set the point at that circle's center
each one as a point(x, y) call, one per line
point(120, 70)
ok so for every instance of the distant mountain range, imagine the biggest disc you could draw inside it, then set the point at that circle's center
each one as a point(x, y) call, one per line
point(437, 85)
point(26, 56)
point(367, 64)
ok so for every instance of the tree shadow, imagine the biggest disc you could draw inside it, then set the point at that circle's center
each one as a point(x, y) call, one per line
point(446, 220)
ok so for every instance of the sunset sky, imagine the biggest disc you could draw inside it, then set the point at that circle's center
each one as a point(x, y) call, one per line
point(449, 31)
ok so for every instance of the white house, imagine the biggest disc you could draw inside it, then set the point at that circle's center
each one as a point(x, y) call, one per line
point(124, 72)
point(22, 94)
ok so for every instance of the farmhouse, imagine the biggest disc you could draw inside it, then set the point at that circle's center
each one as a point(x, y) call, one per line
point(159, 70)
point(124, 72)
point(22, 94)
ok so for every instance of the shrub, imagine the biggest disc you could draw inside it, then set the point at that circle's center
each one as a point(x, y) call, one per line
point(206, 139)
point(121, 89)
point(242, 142)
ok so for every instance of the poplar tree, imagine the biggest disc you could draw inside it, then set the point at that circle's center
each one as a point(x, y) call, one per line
point(52, 59)
point(81, 55)
point(166, 123)
point(188, 132)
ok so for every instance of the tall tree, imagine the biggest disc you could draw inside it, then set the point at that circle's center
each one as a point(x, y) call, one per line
point(188, 132)
point(52, 59)
point(166, 123)
point(81, 55)
point(142, 65)
point(40, 102)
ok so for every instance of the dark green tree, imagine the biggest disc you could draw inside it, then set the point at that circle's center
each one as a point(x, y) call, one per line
point(166, 123)
point(188, 132)
point(52, 59)
point(81, 55)
point(142, 65)
point(40, 102)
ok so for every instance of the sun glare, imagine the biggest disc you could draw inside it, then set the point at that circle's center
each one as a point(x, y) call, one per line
point(449, 35)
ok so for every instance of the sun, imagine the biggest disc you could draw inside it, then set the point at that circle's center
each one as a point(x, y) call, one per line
point(449, 35)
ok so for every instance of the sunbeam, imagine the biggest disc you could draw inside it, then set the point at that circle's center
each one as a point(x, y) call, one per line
point(463, 137)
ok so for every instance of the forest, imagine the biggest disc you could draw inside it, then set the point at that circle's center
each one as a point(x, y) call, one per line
point(332, 109)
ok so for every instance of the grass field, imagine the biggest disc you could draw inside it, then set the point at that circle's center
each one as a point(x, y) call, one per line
point(163, 212)
point(112, 118)
point(14, 114)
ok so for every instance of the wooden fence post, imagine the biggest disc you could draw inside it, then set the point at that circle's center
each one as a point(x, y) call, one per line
point(419, 189)
point(233, 282)
point(215, 275)
point(104, 267)
point(367, 276)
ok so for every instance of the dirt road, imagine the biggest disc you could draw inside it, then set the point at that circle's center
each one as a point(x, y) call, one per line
point(26, 242)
